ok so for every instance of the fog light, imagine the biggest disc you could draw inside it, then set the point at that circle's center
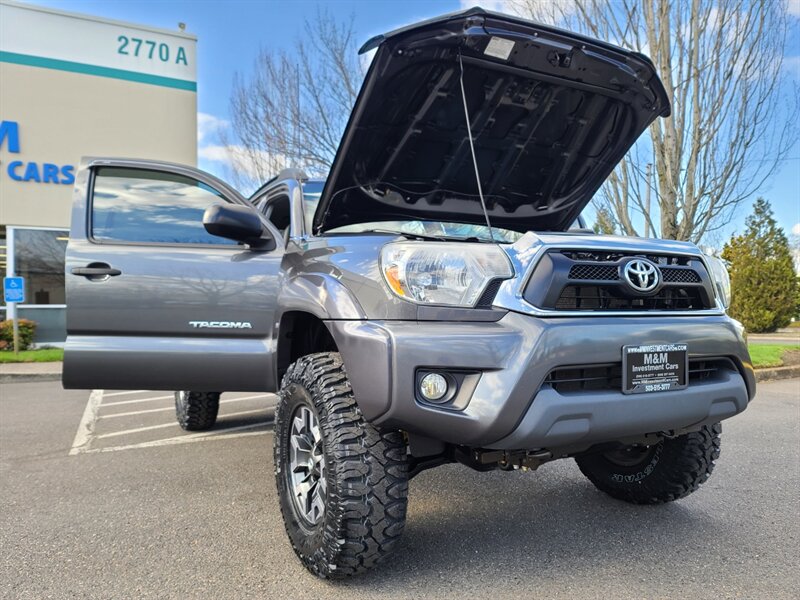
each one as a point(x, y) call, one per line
point(433, 387)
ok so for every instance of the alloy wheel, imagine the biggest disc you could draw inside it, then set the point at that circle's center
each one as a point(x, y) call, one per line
point(307, 466)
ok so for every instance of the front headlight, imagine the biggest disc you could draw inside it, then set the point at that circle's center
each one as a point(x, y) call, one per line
point(445, 273)
point(722, 281)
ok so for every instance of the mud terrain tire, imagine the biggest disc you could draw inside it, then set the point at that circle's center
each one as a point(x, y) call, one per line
point(667, 471)
point(363, 472)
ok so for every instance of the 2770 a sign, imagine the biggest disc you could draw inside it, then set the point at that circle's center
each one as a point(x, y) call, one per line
point(150, 49)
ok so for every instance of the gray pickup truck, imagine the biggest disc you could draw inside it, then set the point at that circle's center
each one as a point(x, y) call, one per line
point(434, 300)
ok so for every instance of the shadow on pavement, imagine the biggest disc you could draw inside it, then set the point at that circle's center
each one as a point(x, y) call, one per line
point(532, 523)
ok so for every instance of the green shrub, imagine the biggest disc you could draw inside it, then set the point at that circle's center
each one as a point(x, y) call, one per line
point(27, 329)
point(763, 281)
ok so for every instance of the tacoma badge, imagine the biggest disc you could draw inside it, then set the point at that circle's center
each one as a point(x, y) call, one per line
point(220, 324)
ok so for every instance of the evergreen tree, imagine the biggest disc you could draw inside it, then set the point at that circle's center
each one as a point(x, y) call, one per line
point(763, 282)
point(604, 223)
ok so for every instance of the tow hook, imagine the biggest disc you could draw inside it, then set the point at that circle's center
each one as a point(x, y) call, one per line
point(487, 460)
point(524, 460)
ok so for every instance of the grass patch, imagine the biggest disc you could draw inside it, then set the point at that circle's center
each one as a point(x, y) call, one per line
point(769, 355)
point(43, 355)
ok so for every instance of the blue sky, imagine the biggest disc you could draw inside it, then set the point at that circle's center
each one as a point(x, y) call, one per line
point(230, 34)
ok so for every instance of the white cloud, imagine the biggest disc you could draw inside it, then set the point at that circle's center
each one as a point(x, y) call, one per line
point(208, 125)
point(210, 129)
point(223, 158)
point(365, 60)
point(253, 164)
point(215, 153)
point(796, 229)
point(256, 165)
point(544, 11)
point(232, 160)
point(503, 6)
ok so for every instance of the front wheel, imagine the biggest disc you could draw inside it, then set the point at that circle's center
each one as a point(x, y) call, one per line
point(663, 472)
point(342, 483)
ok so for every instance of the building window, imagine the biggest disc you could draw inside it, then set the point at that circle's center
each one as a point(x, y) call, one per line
point(39, 258)
point(136, 205)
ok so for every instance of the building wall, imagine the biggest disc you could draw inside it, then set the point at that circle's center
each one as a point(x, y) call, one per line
point(61, 116)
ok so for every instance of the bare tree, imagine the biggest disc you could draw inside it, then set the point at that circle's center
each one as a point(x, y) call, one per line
point(733, 120)
point(293, 109)
point(733, 116)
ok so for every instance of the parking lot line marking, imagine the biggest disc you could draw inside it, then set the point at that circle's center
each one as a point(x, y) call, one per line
point(153, 410)
point(83, 437)
point(204, 434)
point(223, 434)
point(153, 399)
point(173, 424)
point(128, 393)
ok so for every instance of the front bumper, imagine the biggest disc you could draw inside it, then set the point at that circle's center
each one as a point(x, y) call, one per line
point(510, 408)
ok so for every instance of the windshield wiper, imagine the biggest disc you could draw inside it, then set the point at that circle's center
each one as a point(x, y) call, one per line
point(425, 236)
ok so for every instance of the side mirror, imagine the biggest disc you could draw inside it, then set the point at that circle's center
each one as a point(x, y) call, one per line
point(239, 223)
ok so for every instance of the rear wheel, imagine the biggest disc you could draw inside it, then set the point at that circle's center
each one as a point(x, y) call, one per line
point(663, 472)
point(342, 483)
point(196, 411)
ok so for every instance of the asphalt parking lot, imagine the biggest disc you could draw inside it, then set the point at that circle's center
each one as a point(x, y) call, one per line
point(102, 499)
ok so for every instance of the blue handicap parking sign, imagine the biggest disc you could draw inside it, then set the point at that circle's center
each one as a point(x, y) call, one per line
point(14, 289)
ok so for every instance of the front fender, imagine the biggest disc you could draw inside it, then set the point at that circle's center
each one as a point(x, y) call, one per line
point(320, 295)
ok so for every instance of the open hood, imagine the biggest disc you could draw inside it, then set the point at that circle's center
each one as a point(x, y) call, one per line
point(551, 114)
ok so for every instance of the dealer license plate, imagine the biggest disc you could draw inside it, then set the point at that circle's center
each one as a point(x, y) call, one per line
point(654, 368)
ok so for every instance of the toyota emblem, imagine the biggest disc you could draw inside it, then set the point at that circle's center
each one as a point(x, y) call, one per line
point(641, 275)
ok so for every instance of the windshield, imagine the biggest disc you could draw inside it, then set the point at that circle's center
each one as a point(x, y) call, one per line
point(312, 190)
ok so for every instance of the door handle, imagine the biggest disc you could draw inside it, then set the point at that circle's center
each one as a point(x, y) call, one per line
point(96, 270)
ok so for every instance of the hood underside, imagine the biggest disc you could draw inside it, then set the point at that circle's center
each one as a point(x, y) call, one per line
point(551, 115)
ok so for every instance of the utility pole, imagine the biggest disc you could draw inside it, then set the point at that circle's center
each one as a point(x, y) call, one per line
point(647, 201)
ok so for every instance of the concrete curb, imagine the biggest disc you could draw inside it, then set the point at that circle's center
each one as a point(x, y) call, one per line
point(26, 377)
point(22, 372)
point(775, 373)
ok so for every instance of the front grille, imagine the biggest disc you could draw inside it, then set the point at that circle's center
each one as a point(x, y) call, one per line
point(586, 378)
point(608, 376)
point(591, 281)
point(598, 297)
point(594, 272)
point(673, 275)
point(608, 256)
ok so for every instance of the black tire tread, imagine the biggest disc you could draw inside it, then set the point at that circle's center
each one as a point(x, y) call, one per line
point(684, 464)
point(198, 412)
point(366, 508)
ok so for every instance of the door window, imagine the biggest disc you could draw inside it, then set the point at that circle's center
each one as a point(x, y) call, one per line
point(137, 205)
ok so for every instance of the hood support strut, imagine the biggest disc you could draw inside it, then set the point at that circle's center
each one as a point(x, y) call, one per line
point(472, 146)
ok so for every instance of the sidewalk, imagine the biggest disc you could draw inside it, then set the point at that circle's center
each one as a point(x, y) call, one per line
point(782, 336)
point(20, 372)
